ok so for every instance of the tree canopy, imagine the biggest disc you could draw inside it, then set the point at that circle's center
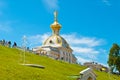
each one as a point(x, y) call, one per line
point(114, 58)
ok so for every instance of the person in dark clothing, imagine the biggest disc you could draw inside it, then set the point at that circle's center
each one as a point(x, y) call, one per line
point(15, 44)
point(9, 43)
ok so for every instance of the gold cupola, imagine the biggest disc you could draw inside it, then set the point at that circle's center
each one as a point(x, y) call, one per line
point(55, 40)
point(55, 26)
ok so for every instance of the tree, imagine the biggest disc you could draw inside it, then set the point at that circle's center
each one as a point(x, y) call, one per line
point(118, 64)
point(114, 58)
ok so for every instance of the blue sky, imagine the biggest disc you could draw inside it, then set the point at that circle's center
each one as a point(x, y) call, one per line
point(89, 26)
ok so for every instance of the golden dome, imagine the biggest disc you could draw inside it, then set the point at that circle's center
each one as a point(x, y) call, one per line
point(55, 26)
point(56, 41)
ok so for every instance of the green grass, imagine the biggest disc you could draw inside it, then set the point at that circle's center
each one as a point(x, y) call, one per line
point(11, 68)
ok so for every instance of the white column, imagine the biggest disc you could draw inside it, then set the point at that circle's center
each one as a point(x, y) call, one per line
point(70, 57)
point(65, 55)
point(61, 54)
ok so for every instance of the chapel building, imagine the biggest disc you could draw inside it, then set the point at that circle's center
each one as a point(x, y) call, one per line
point(55, 46)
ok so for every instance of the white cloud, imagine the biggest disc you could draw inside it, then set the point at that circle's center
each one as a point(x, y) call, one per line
point(87, 53)
point(106, 2)
point(82, 60)
point(82, 40)
point(84, 48)
point(51, 4)
point(37, 40)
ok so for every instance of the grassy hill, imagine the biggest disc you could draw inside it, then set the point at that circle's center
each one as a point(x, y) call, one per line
point(11, 68)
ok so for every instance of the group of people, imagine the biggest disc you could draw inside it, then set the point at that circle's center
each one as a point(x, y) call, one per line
point(7, 43)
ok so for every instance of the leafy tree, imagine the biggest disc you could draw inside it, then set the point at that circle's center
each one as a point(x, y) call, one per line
point(118, 64)
point(114, 58)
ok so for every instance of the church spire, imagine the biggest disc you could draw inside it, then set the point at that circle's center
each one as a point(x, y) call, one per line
point(55, 26)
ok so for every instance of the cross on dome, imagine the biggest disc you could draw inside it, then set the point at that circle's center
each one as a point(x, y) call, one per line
point(55, 15)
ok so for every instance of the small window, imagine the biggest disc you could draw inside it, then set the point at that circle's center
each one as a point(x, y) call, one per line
point(50, 41)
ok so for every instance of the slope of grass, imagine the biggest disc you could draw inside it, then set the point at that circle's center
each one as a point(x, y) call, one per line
point(11, 68)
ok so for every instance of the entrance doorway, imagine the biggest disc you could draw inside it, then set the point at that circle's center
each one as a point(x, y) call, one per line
point(89, 78)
